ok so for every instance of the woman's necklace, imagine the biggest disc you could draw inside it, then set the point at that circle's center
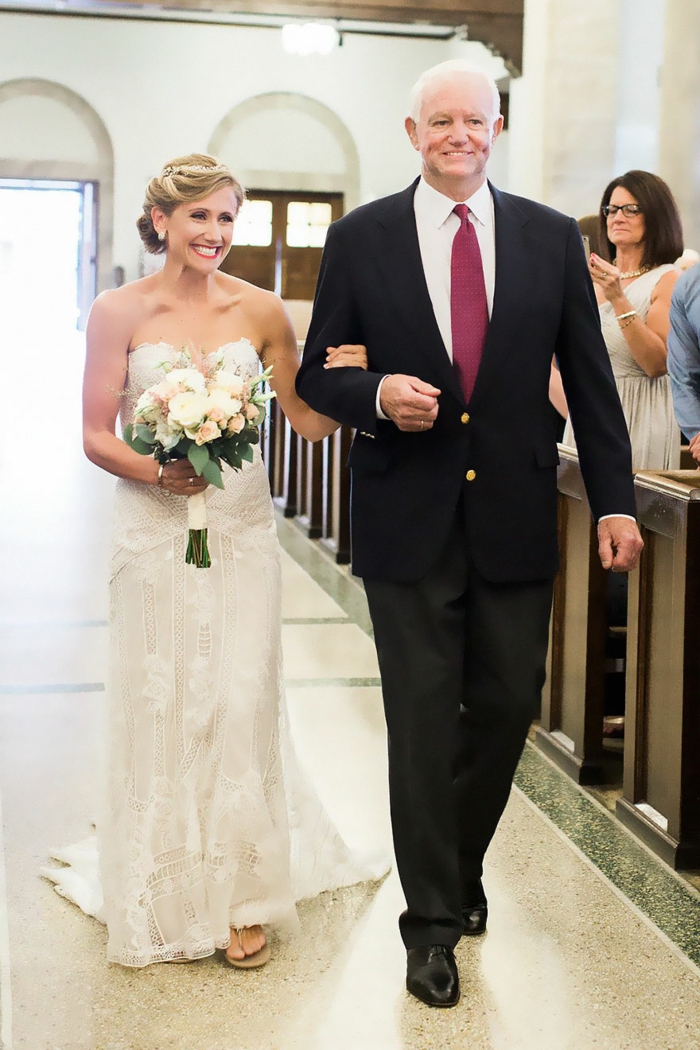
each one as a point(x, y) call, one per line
point(628, 274)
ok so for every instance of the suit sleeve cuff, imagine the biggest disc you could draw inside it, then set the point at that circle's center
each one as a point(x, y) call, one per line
point(628, 516)
point(380, 414)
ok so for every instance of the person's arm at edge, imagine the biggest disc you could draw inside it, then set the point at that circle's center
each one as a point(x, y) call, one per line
point(684, 365)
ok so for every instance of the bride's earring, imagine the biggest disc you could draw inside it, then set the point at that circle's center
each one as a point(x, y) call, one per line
point(161, 235)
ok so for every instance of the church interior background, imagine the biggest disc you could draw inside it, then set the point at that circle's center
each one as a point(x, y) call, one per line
point(594, 942)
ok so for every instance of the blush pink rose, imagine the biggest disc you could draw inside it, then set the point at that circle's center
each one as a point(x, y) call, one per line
point(236, 424)
point(216, 415)
point(208, 431)
point(252, 412)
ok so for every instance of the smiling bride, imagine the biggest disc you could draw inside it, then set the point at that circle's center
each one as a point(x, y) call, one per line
point(210, 829)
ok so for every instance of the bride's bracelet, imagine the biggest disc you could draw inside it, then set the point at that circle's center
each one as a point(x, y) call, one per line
point(160, 475)
point(622, 317)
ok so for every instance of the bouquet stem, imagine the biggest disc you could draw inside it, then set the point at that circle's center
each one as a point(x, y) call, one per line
point(197, 546)
point(198, 549)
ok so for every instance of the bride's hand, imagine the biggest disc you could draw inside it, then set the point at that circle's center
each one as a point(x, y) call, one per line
point(180, 479)
point(346, 356)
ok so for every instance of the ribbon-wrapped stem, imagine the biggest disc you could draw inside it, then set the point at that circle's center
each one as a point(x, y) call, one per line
point(197, 546)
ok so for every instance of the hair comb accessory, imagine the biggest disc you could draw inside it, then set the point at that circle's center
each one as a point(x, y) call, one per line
point(184, 169)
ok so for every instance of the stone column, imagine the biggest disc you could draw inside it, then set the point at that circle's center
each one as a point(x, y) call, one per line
point(679, 159)
point(564, 107)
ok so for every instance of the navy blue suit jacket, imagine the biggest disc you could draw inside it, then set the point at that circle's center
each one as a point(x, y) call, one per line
point(406, 486)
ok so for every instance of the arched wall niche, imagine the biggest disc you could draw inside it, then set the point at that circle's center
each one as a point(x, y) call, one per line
point(93, 165)
point(336, 170)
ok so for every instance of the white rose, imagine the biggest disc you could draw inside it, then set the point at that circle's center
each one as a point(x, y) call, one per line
point(191, 378)
point(187, 410)
point(229, 381)
point(146, 411)
point(168, 435)
point(230, 406)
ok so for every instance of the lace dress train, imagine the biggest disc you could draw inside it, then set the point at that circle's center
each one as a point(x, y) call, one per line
point(210, 821)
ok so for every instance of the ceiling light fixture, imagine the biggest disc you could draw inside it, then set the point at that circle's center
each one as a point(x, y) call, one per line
point(309, 38)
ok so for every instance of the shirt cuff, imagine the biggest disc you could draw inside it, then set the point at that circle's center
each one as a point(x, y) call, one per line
point(628, 516)
point(380, 414)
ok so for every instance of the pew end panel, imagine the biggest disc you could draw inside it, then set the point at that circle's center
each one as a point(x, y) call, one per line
point(571, 729)
point(661, 790)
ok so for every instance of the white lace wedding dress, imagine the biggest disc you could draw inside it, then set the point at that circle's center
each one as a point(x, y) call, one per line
point(209, 822)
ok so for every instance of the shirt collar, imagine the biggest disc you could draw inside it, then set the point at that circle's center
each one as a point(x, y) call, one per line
point(437, 207)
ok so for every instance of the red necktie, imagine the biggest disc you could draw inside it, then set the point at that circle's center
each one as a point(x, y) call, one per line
point(468, 304)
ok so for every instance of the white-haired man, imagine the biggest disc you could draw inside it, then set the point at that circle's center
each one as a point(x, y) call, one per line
point(461, 294)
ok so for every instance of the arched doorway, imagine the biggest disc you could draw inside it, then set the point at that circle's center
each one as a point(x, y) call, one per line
point(52, 137)
point(300, 166)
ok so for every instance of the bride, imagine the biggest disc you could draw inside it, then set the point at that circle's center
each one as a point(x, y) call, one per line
point(210, 830)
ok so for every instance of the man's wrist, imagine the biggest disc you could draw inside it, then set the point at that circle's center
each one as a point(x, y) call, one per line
point(606, 516)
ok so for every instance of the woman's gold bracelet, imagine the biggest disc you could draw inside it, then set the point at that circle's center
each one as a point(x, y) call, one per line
point(160, 475)
point(630, 313)
point(628, 322)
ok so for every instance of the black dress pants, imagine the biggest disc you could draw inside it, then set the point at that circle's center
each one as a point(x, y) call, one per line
point(462, 664)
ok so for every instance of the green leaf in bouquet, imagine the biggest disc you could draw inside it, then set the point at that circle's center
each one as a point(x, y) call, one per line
point(183, 446)
point(246, 453)
point(198, 456)
point(145, 433)
point(212, 473)
point(135, 442)
point(250, 436)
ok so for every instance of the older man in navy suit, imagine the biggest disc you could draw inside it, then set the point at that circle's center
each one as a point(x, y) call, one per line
point(462, 295)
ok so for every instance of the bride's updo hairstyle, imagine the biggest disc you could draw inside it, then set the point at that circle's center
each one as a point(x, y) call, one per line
point(183, 181)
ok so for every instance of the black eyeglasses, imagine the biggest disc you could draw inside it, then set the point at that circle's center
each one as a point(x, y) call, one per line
point(627, 209)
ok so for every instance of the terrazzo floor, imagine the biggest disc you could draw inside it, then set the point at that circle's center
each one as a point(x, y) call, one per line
point(592, 943)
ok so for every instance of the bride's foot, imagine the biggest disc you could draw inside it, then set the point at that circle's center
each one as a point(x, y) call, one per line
point(248, 947)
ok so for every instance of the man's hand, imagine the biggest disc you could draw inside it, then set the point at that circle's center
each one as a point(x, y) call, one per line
point(694, 447)
point(409, 402)
point(619, 544)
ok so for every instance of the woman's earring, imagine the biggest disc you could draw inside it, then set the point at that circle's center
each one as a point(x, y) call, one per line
point(161, 235)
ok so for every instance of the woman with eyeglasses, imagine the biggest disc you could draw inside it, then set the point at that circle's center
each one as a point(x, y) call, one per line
point(641, 228)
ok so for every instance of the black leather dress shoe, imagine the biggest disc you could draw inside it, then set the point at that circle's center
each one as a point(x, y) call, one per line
point(475, 910)
point(431, 975)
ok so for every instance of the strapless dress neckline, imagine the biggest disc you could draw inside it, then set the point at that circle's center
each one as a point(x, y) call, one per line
point(224, 346)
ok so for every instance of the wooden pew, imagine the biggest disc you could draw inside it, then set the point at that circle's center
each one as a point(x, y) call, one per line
point(310, 482)
point(571, 725)
point(661, 795)
point(687, 459)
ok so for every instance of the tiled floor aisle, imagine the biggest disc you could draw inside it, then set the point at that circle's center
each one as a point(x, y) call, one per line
point(568, 963)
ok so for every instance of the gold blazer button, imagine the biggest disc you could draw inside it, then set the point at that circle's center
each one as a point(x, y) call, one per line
point(465, 417)
point(471, 474)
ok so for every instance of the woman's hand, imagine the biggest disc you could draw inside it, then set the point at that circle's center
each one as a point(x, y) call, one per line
point(179, 478)
point(346, 356)
point(606, 277)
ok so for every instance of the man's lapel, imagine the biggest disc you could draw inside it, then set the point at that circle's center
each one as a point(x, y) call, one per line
point(405, 284)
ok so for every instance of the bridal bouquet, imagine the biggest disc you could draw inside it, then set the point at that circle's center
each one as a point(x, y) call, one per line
point(205, 415)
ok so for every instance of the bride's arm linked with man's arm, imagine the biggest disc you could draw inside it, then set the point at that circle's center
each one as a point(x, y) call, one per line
point(109, 332)
point(280, 353)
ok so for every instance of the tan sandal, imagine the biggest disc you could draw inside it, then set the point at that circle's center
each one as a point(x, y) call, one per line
point(249, 962)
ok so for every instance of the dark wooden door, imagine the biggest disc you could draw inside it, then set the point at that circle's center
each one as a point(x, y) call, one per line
point(278, 239)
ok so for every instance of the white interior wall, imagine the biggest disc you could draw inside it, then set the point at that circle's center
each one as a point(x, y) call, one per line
point(37, 128)
point(282, 140)
point(161, 89)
